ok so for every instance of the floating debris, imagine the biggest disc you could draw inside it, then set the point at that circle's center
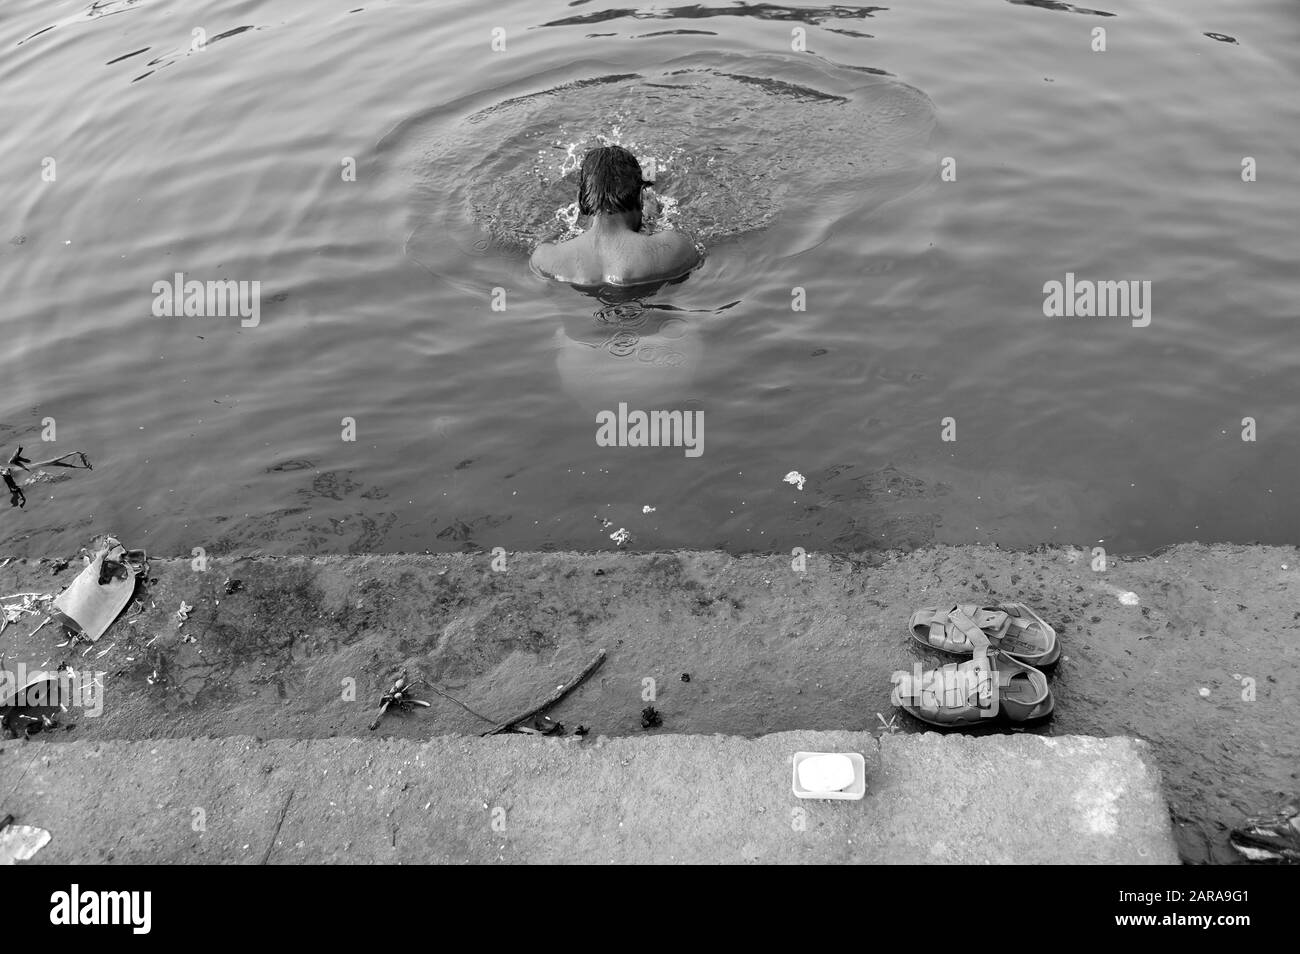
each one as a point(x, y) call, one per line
point(620, 536)
point(648, 509)
point(796, 478)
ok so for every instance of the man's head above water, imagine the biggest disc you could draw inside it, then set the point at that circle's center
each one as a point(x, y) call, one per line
point(610, 182)
point(613, 250)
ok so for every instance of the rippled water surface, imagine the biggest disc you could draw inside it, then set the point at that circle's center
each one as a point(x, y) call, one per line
point(133, 151)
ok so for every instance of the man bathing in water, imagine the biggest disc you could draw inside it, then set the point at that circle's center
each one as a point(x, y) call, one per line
point(614, 250)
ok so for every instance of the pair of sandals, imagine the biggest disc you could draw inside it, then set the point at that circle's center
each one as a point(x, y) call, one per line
point(1009, 644)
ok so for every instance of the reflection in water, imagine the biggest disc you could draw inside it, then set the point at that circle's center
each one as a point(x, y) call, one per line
point(629, 351)
point(753, 11)
point(1061, 7)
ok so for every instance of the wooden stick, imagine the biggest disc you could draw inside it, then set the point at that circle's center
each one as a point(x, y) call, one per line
point(382, 709)
point(553, 698)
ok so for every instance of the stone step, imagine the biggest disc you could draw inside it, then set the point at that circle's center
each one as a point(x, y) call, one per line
point(663, 799)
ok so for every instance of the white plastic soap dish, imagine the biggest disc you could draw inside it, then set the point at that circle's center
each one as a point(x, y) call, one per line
point(840, 775)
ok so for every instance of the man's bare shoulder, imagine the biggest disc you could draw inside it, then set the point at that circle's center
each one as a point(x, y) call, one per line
point(545, 259)
point(562, 262)
point(674, 253)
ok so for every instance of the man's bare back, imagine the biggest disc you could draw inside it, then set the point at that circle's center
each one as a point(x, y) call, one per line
point(614, 250)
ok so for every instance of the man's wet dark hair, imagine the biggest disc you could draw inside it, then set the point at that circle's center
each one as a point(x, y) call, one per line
point(609, 181)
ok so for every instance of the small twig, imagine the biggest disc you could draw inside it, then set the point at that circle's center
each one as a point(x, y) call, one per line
point(448, 695)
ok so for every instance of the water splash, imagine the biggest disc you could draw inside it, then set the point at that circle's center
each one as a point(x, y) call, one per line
point(732, 143)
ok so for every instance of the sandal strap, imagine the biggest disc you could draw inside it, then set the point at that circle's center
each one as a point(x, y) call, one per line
point(968, 684)
point(968, 623)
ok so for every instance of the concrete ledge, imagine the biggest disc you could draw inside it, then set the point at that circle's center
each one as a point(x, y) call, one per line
point(667, 799)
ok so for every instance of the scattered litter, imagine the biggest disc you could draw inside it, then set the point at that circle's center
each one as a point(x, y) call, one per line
point(20, 842)
point(541, 725)
point(13, 612)
point(398, 696)
point(686, 677)
point(796, 478)
point(234, 586)
point(103, 588)
point(1271, 837)
point(183, 614)
point(33, 707)
point(59, 566)
point(620, 536)
point(581, 731)
point(650, 718)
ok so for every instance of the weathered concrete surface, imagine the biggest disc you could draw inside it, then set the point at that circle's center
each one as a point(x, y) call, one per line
point(1196, 649)
point(666, 799)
